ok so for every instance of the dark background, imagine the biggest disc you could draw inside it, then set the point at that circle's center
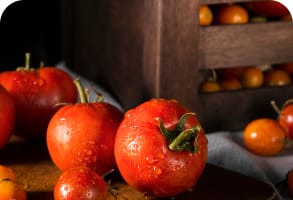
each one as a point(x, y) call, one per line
point(30, 26)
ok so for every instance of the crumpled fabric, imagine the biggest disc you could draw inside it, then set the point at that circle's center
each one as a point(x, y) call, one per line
point(226, 149)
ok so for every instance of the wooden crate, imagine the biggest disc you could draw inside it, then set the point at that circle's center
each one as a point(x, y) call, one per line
point(155, 48)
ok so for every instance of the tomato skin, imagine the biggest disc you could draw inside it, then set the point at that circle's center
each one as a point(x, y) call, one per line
point(276, 77)
point(7, 116)
point(290, 181)
point(36, 94)
point(9, 188)
point(83, 134)
point(264, 136)
point(205, 15)
point(232, 14)
point(285, 119)
point(142, 154)
point(80, 183)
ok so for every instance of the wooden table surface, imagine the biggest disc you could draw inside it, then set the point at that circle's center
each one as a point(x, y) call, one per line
point(36, 172)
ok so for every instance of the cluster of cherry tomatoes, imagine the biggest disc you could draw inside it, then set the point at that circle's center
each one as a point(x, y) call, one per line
point(236, 78)
point(269, 137)
point(243, 13)
point(88, 138)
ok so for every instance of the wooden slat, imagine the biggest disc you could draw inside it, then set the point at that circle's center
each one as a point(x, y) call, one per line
point(175, 54)
point(251, 44)
point(231, 111)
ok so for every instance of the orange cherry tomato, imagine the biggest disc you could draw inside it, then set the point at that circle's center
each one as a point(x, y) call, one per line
point(11, 190)
point(252, 78)
point(230, 84)
point(210, 86)
point(232, 14)
point(288, 67)
point(7, 173)
point(205, 15)
point(276, 77)
point(264, 137)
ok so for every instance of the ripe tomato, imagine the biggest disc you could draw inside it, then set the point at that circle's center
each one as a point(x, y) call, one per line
point(285, 118)
point(230, 84)
point(288, 67)
point(290, 181)
point(276, 77)
point(9, 188)
point(80, 183)
point(205, 15)
point(83, 134)
point(264, 137)
point(36, 93)
point(252, 78)
point(209, 86)
point(7, 116)
point(232, 14)
point(7, 173)
point(267, 8)
point(160, 148)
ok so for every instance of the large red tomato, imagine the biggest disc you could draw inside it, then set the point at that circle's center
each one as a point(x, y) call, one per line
point(83, 134)
point(267, 8)
point(36, 93)
point(160, 148)
point(7, 116)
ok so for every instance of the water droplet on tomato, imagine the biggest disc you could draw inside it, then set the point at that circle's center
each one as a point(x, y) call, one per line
point(157, 170)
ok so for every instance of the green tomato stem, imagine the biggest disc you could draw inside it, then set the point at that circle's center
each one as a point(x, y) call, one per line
point(27, 64)
point(181, 139)
point(84, 98)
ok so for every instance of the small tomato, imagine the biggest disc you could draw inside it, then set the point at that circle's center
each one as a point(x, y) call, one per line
point(264, 136)
point(11, 190)
point(83, 134)
point(80, 183)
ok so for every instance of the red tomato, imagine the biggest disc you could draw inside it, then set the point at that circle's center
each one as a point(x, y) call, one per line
point(83, 134)
point(285, 119)
point(267, 8)
point(290, 181)
point(80, 183)
point(158, 152)
point(7, 116)
point(36, 93)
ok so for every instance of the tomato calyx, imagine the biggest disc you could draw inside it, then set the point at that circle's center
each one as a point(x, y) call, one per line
point(181, 139)
point(84, 93)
